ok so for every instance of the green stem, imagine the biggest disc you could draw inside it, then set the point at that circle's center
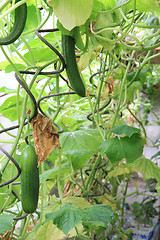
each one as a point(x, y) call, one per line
point(123, 202)
point(29, 49)
point(140, 123)
point(121, 91)
point(7, 132)
point(95, 119)
point(17, 103)
point(42, 196)
point(12, 64)
point(20, 55)
point(7, 141)
point(25, 228)
point(92, 173)
point(59, 179)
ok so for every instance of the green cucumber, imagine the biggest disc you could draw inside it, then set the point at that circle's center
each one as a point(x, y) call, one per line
point(68, 50)
point(29, 179)
point(18, 26)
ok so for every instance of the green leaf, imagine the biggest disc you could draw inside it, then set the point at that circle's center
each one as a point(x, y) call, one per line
point(81, 139)
point(78, 157)
point(9, 68)
point(148, 6)
point(93, 226)
point(9, 108)
point(100, 212)
point(5, 223)
point(41, 54)
point(132, 147)
point(113, 149)
point(33, 20)
point(129, 148)
point(50, 37)
point(131, 91)
point(125, 130)
point(77, 11)
point(52, 173)
point(7, 90)
point(79, 145)
point(66, 218)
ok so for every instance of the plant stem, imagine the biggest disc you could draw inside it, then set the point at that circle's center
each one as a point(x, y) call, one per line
point(42, 196)
point(25, 228)
point(92, 173)
point(59, 179)
point(121, 92)
point(95, 119)
point(123, 202)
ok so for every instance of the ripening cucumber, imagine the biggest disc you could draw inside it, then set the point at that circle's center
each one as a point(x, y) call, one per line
point(68, 50)
point(18, 26)
point(29, 179)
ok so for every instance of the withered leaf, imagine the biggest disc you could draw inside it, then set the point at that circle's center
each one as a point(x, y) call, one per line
point(45, 137)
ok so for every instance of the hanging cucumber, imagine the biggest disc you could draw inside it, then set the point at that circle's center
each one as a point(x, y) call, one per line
point(18, 26)
point(29, 179)
point(68, 50)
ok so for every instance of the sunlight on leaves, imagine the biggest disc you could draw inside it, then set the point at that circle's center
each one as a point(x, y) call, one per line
point(77, 11)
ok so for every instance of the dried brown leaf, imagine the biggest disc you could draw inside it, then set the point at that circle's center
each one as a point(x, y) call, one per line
point(45, 137)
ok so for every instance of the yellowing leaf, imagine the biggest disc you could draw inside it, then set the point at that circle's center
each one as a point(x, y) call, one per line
point(108, 199)
point(147, 168)
point(81, 203)
point(49, 231)
point(123, 169)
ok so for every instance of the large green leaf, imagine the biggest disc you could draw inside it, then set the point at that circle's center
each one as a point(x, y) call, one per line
point(79, 145)
point(81, 139)
point(129, 148)
point(66, 218)
point(5, 222)
point(72, 13)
